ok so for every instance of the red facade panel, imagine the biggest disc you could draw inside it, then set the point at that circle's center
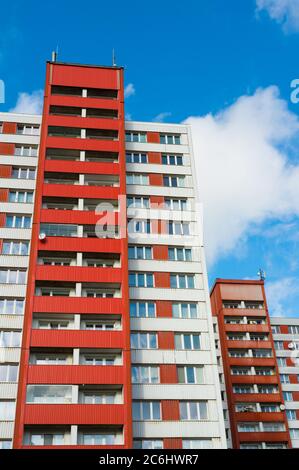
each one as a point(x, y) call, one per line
point(3, 195)
point(168, 374)
point(164, 308)
point(155, 179)
point(173, 443)
point(153, 137)
point(7, 149)
point(5, 171)
point(154, 158)
point(170, 410)
point(160, 252)
point(162, 280)
point(9, 128)
point(166, 340)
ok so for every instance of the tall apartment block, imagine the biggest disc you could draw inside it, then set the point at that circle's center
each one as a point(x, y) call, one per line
point(253, 396)
point(19, 141)
point(286, 341)
point(118, 345)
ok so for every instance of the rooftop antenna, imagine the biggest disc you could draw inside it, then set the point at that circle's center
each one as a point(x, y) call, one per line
point(113, 58)
point(262, 274)
point(55, 54)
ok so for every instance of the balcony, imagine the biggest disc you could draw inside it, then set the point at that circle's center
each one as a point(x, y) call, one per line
point(76, 374)
point(77, 338)
point(82, 305)
point(74, 413)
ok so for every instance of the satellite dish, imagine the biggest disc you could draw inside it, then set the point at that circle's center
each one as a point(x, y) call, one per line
point(291, 346)
point(282, 407)
point(42, 236)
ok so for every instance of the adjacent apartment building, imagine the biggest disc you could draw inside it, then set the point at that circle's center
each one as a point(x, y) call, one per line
point(259, 410)
point(118, 345)
point(19, 142)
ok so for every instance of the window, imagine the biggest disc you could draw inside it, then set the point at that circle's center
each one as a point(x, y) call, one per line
point(5, 444)
point(137, 178)
point(294, 329)
point(275, 329)
point(7, 410)
point(25, 151)
point(97, 397)
point(197, 444)
point(193, 410)
point(282, 361)
point(141, 280)
point(145, 374)
point(146, 410)
point(137, 202)
point(275, 445)
point(248, 427)
point(23, 173)
point(136, 157)
point(170, 139)
point(262, 353)
point(179, 254)
point(291, 415)
point(27, 129)
point(53, 324)
point(269, 407)
point(50, 359)
point(172, 160)
point(178, 228)
point(96, 438)
point(144, 341)
point(240, 371)
point(188, 341)
point(182, 281)
point(184, 310)
point(49, 394)
point(250, 445)
point(148, 444)
point(142, 309)
point(285, 378)
point(97, 360)
point(278, 345)
point(8, 373)
point(15, 248)
point(243, 389)
point(190, 374)
point(174, 181)
point(267, 389)
point(46, 439)
point(140, 252)
point(294, 433)
point(139, 226)
point(18, 221)
point(20, 196)
point(238, 352)
point(264, 371)
point(59, 230)
point(11, 306)
point(12, 276)
point(98, 325)
point(287, 396)
point(136, 137)
point(176, 204)
point(10, 339)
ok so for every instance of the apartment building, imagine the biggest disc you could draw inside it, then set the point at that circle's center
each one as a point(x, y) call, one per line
point(19, 141)
point(253, 395)
point(286, 341)
point(118, 345)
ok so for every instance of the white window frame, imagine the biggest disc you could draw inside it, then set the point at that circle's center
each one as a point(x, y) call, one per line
point(14, 219)
point(19, 170)
point(17, 193)
point(144, 202)
point(18, 276)
point(15, 244)
point(20, 151)
point(143, 249)
point(180, 337)
point(174, 181)
point(141, 136)
point(137, 156)
point(180, 307)
point(146, 303)
point(138, 179)
point(146, 277)
point(182, 250)
point(188, 405)
point(187, 279)
point(195, 374)
point(138, 337)
point(150, 374)
point(175, 158)
point(140, 404)
point(171, 203)
point(11, 312)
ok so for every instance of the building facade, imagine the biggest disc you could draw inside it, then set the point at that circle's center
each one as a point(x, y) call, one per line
point(286, 341)
point(118, 344)
point(19, 141)
point(253, 396)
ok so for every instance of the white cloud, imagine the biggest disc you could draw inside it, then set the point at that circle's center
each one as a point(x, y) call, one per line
point(280, 291)
point(129, 90)
point(161, 117)
point(29, 103)
point(245, 178)
point(285, 12)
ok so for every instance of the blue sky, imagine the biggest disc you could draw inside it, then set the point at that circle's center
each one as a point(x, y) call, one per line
point(226, 67)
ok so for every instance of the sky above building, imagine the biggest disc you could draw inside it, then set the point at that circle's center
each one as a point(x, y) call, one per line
point(226, 67)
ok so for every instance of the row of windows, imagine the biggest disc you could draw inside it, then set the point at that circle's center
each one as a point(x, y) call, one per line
point(143, 202)
point(292, 329)
point(177, 281)
point(141, 137)
point(183, 341)
point(12, 247)
point(151, 410)
point(12, 276)
point(139, 309)
point(144, 180)
point(20, 196)
point(134, 157)
point(174, 253)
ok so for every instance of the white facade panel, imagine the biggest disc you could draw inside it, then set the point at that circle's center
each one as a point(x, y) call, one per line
point(8, 391)
point(11, 321)
point(14, 261)
point(6, 429)
point(169, 324)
